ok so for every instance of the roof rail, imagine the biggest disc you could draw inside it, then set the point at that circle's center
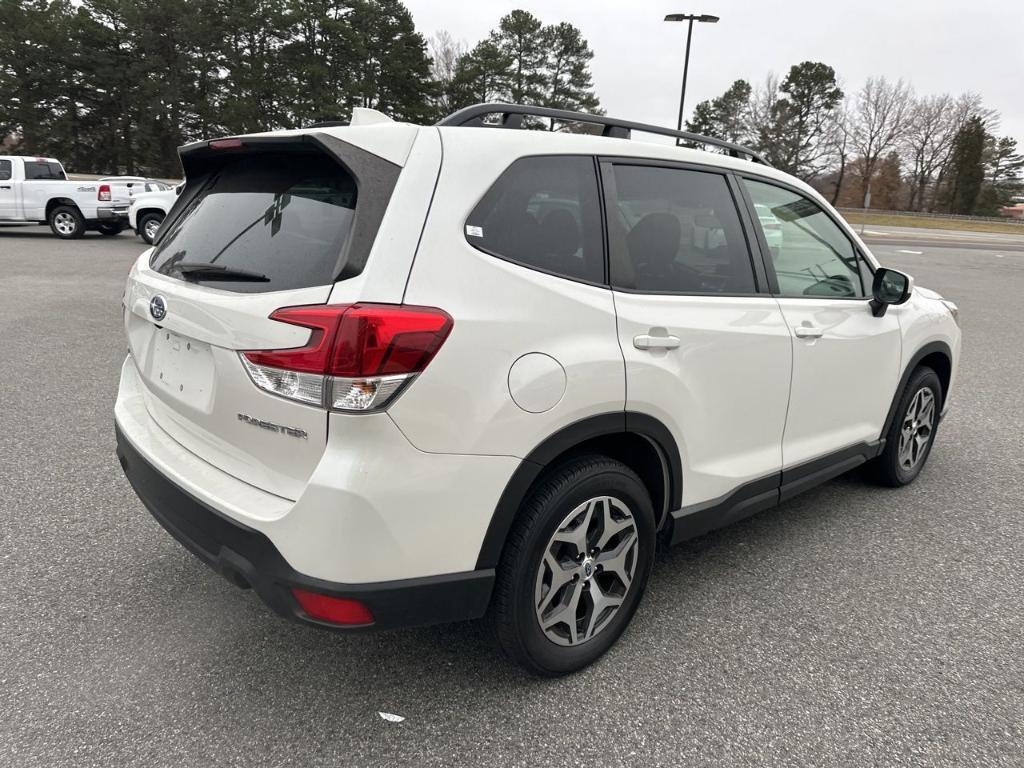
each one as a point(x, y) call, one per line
point(512, 117)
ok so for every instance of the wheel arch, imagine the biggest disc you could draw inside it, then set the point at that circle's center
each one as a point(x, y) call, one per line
point(146, 211)
point(640, 441)
point(938, 356)
point(55, 202)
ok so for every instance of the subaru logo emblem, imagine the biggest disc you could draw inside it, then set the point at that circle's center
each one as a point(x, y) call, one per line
point(158, 307)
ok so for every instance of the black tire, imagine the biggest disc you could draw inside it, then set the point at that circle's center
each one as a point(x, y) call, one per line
point(147, 219)
point(110, 230)
point(66, 222)
point(513, 611)
point(889, 468)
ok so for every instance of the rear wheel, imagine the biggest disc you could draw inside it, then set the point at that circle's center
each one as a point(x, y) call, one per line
point(110, 230)
point(574, 567)
point(66, 222)
point(911, 435)
point(149, 224)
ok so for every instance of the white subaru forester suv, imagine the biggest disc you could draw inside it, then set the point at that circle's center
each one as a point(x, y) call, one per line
point(389, 375)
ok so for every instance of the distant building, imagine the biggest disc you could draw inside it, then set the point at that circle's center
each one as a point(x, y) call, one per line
point(1013, 211)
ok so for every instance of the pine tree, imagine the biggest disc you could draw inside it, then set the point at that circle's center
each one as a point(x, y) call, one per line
point(801, 118)
point(967, 167)
point(1004, 175)
point(520, 36)
point(568, 83)
point(725, 117)
point(482, 75)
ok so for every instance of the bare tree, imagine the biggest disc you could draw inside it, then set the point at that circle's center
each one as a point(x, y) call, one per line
point(445, 52)
point(761, 114)
point(931, 128)
point(879, 124)
point(836, 140)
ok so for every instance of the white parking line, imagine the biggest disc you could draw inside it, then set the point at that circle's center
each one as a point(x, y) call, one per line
point(915, 253)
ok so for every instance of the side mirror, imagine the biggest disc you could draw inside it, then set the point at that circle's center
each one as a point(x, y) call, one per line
point(889, 287)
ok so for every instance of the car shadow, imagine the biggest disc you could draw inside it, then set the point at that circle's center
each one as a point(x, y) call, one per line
point(402, 670)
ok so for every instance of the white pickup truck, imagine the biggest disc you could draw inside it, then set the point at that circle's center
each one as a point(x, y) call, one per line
point(148, 210)
point(36, 189)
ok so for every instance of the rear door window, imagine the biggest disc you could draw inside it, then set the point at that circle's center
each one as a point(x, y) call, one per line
point(40, 170)
point(682, 233)
point(5, 170)
point(543, 213)
point(285, 217)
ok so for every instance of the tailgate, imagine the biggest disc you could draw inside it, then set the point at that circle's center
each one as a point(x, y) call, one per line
point(198, 391)
point(257, 228)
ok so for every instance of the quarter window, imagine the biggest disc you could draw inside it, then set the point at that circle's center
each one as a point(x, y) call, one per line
point(811, 254)
point(543, 213)
point(683, 233)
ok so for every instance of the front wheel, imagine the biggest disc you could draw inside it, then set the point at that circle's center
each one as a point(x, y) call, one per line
point(149, 224)
point(911, 435)
point(66, 222)
point(574, 567)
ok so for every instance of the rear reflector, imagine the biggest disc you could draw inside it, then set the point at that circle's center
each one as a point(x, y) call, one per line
point(104, 193)
point(358, 356)
point(334, 610)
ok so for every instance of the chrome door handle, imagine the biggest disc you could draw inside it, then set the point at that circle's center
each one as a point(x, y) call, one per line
point(808, 332)
point(645, 341)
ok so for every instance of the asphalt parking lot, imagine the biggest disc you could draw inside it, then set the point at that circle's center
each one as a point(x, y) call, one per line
point(851, 626)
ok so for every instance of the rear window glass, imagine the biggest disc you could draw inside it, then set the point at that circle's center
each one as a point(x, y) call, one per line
point(282, 220)
point(40, 170)
point(543, 212)
point(5, 170)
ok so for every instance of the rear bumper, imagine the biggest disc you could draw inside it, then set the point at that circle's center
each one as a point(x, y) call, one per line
point(247, 558)
point(113, 214)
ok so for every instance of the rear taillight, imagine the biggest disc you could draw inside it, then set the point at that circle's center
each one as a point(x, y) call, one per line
point(104, 193)
point(358, 357)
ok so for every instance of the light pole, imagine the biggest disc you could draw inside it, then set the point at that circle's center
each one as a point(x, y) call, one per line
point(703, 17)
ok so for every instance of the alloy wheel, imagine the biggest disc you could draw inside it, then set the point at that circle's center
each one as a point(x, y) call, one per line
point(586, 571)
point(917, 429)
point(152, 225)
point(64, 223)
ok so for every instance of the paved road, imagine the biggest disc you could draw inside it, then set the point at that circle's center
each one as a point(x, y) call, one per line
point(852, 626)
point(910, 237)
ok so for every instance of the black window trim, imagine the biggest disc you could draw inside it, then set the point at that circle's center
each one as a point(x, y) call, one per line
point(606, 274)
point(762, 243)
point(617, 237)
point(765, 279)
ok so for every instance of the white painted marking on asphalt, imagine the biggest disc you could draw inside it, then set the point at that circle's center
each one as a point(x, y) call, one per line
point(1000, 256)
point(391, 718)
point(916, 253)
point(873, 232)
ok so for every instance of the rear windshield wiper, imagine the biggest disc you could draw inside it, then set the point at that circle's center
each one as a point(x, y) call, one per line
point(207, 271)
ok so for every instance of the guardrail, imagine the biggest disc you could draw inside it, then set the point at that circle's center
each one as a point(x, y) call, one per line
point(923, 215)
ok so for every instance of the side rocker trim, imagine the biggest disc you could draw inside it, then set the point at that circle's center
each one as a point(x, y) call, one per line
point(766, 492)
point(561, 441)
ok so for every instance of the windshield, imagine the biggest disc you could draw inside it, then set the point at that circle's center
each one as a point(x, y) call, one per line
point(284, 216)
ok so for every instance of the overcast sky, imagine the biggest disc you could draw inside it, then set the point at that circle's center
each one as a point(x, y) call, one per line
point(936, 45)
